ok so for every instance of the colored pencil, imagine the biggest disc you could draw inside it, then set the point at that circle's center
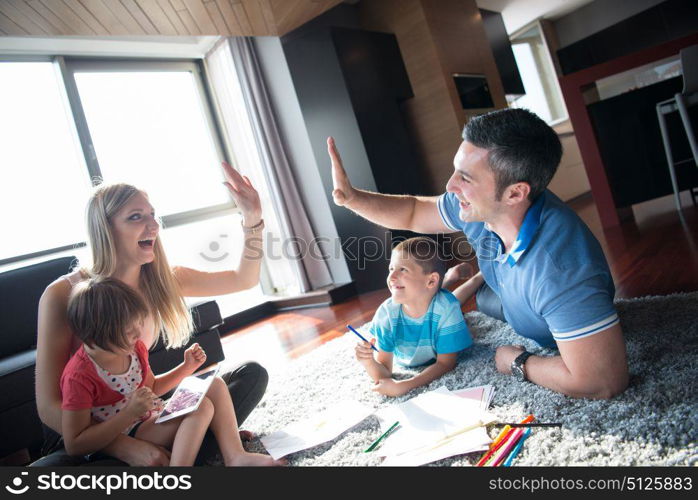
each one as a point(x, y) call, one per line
point(500, 436)
point(517, 448)
point(362, 337)
point(504, 451)
point(382, 437)
point(534, 424)
point(493, 450)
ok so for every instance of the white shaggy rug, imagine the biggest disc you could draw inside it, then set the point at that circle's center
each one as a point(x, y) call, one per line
point(655, 422)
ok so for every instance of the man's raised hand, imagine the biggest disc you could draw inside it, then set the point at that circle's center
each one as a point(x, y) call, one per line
point(343, 191)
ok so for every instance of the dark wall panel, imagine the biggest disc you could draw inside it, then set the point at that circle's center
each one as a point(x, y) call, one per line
point(349, 85)
point(631, 146)
point(664, 22)
point(503, 54)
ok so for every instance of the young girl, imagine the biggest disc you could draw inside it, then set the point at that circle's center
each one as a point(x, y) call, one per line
point(108, 387)
point(123, 234)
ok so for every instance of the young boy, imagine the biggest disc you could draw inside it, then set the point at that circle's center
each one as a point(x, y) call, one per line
point(421, 323)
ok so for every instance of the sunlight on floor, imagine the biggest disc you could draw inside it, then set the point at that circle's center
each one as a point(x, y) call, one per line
point(272, 345)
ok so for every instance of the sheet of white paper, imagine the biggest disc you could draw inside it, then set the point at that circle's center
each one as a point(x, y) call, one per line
point(427, 418)
point(467, 442)
point(490, 396)
point(316, 429)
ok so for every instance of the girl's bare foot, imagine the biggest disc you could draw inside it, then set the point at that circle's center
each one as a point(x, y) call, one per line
point(254, 460)
point(247, 435)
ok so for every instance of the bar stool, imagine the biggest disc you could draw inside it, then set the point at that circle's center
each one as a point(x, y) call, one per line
point(681, 102)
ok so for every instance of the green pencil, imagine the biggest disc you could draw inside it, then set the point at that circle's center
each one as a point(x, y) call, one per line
point(382, 437)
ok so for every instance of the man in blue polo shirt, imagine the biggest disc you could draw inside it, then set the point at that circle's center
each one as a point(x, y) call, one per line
point(545, 273)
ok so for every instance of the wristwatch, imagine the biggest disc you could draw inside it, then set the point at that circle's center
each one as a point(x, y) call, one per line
point(518, 368)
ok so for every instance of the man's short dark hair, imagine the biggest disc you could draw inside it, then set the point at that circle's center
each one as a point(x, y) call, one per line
point(425, 252)
point(521, 148)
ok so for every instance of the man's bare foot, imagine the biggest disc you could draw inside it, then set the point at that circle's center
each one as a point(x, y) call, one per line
point(254, 460)
point(457, 273)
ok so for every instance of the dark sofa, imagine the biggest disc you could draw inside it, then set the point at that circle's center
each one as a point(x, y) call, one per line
point(20, 291)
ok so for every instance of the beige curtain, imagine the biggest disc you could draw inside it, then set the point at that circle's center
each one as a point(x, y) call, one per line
point(253, 134)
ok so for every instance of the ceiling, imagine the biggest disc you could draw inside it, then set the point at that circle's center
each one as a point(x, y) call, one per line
point(47, 18)
point(157, 17)
point(518, 13)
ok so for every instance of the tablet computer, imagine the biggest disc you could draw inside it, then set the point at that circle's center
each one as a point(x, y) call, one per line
point(188, 396)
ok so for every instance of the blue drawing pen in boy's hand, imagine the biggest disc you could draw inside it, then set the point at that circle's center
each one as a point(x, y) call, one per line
point(362, 337)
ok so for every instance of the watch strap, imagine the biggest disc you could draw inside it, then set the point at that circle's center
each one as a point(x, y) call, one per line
point(520, 361)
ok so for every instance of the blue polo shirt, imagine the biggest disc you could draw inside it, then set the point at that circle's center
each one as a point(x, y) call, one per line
point(555, 284)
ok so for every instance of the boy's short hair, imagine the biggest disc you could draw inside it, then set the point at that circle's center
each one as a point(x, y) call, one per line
point(425, 252)
point(101, 310)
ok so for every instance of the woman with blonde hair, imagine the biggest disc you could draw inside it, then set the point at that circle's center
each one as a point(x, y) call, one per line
point(123, 237)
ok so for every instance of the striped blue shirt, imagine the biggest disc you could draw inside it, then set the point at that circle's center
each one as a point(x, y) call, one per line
point(417, 341)
point(555, 284)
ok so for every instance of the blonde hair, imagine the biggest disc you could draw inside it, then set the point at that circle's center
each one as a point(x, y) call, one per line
point(102, 310)
point(158, 284)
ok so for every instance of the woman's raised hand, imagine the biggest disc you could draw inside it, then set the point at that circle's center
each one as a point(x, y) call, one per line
point(244, 194)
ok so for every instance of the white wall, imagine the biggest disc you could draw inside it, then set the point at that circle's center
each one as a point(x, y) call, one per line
point(297, 144)
point(571, 178)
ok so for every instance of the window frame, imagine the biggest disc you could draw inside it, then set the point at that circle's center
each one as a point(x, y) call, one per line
point(91, 65)
point(549, 61)
point(66, 68)
point(46, 58)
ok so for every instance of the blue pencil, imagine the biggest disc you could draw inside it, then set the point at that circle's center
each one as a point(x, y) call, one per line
point(361, 337)
point(516, 449)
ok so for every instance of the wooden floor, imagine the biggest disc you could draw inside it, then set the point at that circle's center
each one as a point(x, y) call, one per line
point(655, 254)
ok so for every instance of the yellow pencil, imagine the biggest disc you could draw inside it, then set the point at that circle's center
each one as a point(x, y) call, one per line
point(503, 433)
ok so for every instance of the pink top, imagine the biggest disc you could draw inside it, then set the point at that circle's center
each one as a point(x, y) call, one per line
point(84, 384)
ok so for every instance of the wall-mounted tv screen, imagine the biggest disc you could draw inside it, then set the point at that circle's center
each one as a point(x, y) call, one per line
point(473, 91)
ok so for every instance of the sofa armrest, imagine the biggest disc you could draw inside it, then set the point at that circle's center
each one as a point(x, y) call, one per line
point(206, 315)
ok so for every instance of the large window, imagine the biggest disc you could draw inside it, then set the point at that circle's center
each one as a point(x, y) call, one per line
point(66, 122)
point(41, 164)
point(149, 128)
point(543, 95)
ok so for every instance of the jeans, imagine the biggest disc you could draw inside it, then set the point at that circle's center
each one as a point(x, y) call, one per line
point(489, 302)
